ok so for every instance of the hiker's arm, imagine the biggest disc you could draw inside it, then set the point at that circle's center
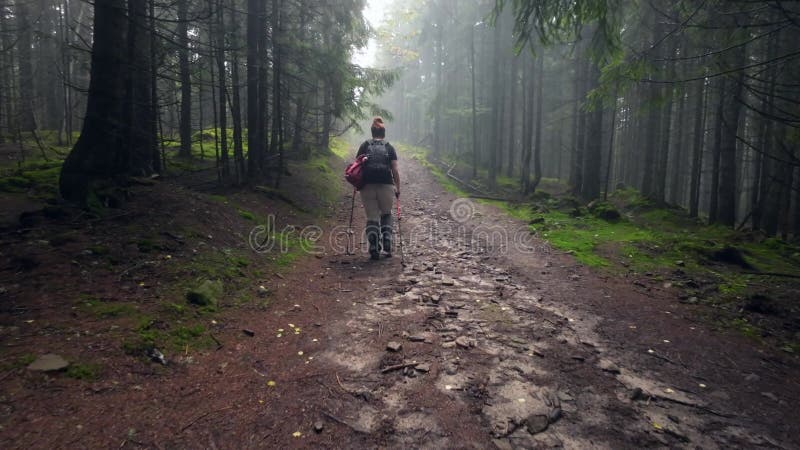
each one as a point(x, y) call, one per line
point(396, 178)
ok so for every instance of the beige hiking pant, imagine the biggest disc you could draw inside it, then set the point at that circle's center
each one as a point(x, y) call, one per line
point(377, 200)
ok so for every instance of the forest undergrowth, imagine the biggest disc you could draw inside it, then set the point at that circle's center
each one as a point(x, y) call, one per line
point(144, 279)
point(740, 280)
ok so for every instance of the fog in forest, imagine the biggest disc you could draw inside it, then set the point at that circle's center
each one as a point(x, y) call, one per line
point(399, 223)
point(693, 103)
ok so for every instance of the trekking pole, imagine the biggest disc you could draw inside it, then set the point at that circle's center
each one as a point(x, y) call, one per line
point(350, 227)
point(400, 234)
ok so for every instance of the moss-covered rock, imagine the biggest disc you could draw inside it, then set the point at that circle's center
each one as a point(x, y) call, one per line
point(604, 210)
point(568, 203)
point(205, 293)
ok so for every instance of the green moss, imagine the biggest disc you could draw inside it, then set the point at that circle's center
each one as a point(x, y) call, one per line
point(176, 309)
point(98, 249)
point(188, 332)
point(101, 309)
point(17, 363)
point(219, 199)
point(744, 327)
point(791, 347)
point(246, 215)
point(734, 285)
point(86, 372)
point(206, 293)
point(14, 184)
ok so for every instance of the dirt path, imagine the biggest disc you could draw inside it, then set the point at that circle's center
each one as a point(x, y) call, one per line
point(515, 345)
point(519, 347)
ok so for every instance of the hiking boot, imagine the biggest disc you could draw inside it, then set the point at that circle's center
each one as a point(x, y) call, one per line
point(373, 235)
point(386, 234)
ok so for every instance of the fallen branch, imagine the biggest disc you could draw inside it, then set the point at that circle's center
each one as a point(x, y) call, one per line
point(342, 422)
point(693, 405)
point(664, 358)
point(399, 366)
point(201, 416)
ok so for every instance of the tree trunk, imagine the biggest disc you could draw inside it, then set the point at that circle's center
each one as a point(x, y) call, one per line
point(223, 104)
point(26, 120)
point(96, 153)
point(728, 189)
point(255, 125)
point(277, 110)
point(677, 181)
point(512, 121)
point(236, 104)
point(713, 208)
point(496, 118)
point(528, 100)
point(594, 144)
point(474, 109)
point(438, 98)
point(186, 82)
point(612, 133)
point(698, 138)
point(537, 145)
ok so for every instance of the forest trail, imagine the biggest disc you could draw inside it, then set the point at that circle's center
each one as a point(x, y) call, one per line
point(504, 343)
point(520, 347)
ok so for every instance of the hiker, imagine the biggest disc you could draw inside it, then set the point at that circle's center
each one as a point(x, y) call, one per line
point(381, 183)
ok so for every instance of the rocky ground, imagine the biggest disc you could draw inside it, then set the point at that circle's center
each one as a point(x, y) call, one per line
point(479, 336)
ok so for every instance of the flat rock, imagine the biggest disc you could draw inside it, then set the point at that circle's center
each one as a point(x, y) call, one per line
point(48, 363)
point(607, 366)
point(393, 346)
point(424, 367)
point(447, 281)
point(449, 344)
point(318, 426)
point(416, 338)
point(464, 342)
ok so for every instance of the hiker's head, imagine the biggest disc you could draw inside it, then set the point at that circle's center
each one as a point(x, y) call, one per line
point(378, 131)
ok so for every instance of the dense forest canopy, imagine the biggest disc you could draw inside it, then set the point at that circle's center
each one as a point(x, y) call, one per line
point(694, 102)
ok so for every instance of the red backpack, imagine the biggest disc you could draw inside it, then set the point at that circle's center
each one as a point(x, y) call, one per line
point(354, 173)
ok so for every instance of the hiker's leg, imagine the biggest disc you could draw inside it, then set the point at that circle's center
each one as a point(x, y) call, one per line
point(386, 233)
point(369, 198)
point(385, 201)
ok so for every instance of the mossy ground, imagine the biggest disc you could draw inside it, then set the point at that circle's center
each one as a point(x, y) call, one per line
point(139, 253)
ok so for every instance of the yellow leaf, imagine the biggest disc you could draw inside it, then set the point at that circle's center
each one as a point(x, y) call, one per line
point(297, 434)
point(657, 426)
point(271, 383)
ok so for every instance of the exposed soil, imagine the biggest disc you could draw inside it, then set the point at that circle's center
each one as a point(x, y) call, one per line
point(515, 345)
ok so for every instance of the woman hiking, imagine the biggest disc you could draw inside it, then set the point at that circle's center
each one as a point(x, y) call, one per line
point(381, 183)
